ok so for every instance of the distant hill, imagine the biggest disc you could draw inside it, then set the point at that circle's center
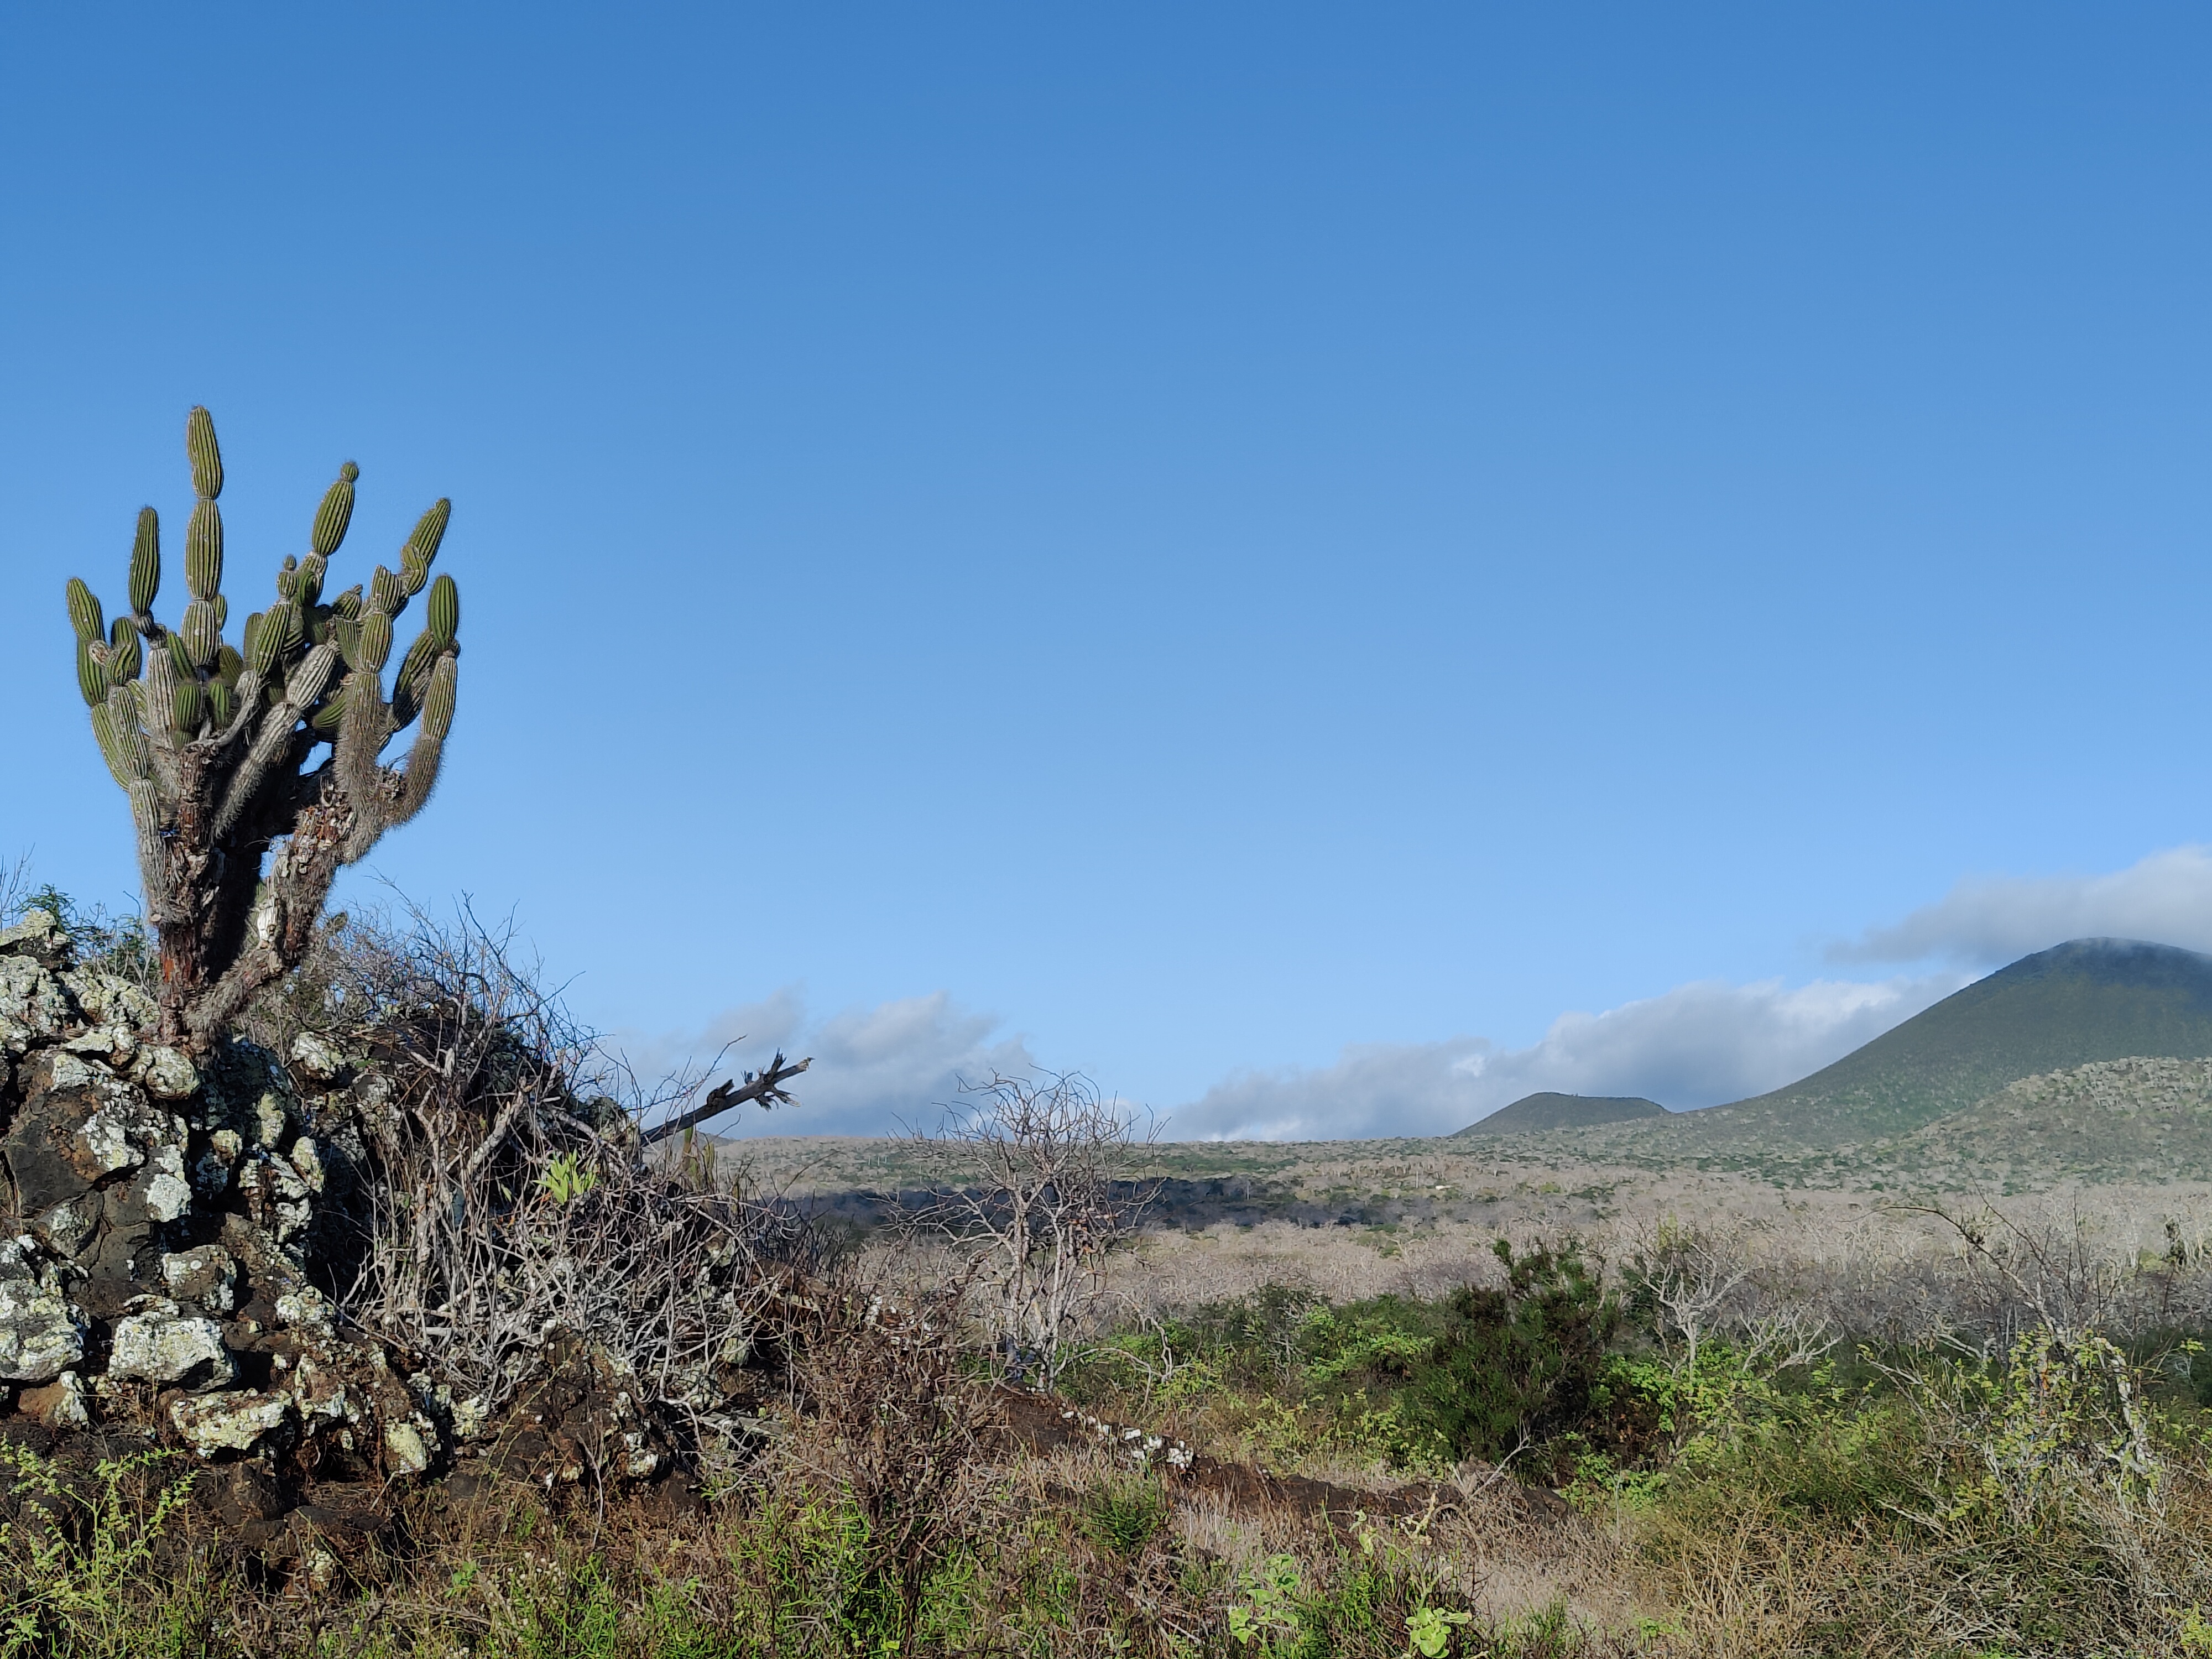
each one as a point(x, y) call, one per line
point(1547, 1110)
point(2087, 1001)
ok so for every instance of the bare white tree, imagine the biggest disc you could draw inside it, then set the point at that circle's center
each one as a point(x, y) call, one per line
point(2049, 1265)
point(1707, 1283)
point(1693, 1278)
point(1035, 1179)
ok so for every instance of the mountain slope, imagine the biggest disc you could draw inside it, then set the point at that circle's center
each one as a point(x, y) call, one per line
point(1547, 1110)
point(2127, 1120)
point(2083, 1002)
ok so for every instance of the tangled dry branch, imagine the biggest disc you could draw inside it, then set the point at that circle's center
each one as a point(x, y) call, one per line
point(508, 1196)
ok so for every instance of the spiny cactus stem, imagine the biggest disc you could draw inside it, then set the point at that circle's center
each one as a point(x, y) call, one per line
point(249, 704)
point(424, 757)
point(276, 736)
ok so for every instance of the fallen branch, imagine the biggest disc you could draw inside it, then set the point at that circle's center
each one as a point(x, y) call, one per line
point(767, 1087)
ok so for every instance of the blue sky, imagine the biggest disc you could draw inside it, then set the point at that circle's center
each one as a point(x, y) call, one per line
point(1230, 549)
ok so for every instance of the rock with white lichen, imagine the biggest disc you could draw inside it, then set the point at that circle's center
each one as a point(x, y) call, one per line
point(159, 1343)
point(41, 1335)
point(210, 1423)
point(171, 1210)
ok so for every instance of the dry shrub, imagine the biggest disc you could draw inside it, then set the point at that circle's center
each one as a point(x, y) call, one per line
point(1031, 1183)
point(506, 1197)
point(2021, 1505)
point(900, 1428)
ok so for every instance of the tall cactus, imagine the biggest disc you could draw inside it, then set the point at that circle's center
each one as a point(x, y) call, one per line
point(241, 830)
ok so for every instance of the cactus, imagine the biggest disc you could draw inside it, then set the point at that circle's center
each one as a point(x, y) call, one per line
point(240, 829)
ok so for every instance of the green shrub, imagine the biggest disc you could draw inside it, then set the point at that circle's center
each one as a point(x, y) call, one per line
point(1524, 1370)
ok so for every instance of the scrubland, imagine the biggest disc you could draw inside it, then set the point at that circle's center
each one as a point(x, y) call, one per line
point(1772, 1430)
point(1400, 1398)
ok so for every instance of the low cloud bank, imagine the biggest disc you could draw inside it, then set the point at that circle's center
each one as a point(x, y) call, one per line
point(1988, 921)
point(1698, 1045)
point(874, 1068)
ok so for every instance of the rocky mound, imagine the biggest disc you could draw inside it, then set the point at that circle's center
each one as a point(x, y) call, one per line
point(167, 1221)
point(176, 1234)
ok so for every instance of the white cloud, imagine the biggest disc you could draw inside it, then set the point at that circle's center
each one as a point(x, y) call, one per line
point(1697, 1045)
point(874, 1068)
point(2166, 897)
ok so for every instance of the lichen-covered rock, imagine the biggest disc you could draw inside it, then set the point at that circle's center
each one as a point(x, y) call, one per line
point(205, 1277)
point(160, 1188)
point(306, 1161)
point(215, 1423)
point(40, 1334)
point(110, 999)
point(274, 1196)
point(408, 1445)
point(113, 1046)
point(38, 936)
point(166, 1074)
point(69, 1227)
point(212, 1172)
point(98, 1171)
point(318, 1388)
point(317, 1057)
point(33, 1004)
point(79, 1124)
point(61, 1404)
point(244, 1089)
point(306, 1309)
point(161, 1344)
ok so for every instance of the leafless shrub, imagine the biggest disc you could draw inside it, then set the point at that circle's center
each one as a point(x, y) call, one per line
point(14, 889)
point(1725, 1280)
point(1032, 1181)
point(897, 1426)
point(2053, 1265)
point(505, 1196)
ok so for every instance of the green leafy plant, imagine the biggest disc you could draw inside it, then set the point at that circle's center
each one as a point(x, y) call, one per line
point(73, 1556)
point(1268, 1607)
point(1125, 1512)
point(566, 1178)
point(1428, 1631)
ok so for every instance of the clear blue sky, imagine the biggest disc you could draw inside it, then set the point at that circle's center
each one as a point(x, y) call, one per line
point(1200, 535)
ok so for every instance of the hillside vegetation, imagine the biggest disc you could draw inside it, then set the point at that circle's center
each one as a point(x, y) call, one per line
point(1532, 1113)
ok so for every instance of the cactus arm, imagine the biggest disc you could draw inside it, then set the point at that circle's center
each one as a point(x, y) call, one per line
point(395, 794)
point(277, 728)
point(424, 757)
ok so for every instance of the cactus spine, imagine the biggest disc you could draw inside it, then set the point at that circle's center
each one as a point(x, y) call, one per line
point(239, 833)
